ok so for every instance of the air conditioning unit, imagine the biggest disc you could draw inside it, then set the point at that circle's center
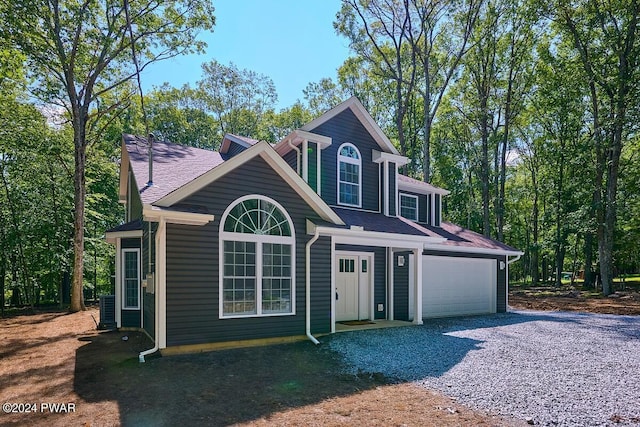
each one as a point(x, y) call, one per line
point(107, 312)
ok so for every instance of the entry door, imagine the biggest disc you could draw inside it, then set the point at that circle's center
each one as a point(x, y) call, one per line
point(353, 287)
point(347, 288)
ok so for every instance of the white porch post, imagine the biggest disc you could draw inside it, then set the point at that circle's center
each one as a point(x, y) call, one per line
point(390, 265)
point(333, 285)
point(118, 283)
point(417, 283)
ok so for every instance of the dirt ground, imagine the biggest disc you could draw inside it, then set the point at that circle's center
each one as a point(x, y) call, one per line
point(59, 358)
point(95, 379)
point(574, 299)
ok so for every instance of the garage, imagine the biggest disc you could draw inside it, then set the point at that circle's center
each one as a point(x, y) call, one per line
point(455, 286)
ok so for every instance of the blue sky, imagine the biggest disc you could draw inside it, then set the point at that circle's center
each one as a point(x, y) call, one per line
point(291, 41)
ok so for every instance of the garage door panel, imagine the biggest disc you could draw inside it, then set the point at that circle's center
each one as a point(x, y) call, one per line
point(458, 286)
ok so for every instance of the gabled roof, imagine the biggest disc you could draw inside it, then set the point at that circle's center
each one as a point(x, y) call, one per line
point(240, 140)
point(365, 118)
point(411, 184)
point(182, 180)
point(174, 166)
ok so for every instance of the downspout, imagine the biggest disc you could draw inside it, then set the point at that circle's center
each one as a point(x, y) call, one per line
point(297, 150)
point(308, 285)
point(156, 347)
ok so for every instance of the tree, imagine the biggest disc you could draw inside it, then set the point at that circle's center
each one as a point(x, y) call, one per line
point(605, 36)
point(237, 98)
point(79, 51)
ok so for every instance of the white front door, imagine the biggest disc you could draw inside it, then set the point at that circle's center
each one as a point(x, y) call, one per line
point(352, 287)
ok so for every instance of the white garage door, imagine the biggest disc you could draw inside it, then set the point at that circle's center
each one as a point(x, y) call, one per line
point(456, 286)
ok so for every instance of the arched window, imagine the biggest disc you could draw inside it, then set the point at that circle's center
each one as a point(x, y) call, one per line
point(257, 259)
point(349, 175)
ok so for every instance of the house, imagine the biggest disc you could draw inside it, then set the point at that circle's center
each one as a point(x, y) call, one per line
point(259, 243)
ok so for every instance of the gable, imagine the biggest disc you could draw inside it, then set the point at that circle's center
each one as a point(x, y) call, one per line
point(357, 109)
point(263, 150)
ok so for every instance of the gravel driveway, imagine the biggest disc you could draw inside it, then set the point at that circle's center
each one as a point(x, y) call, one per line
point(563, 369)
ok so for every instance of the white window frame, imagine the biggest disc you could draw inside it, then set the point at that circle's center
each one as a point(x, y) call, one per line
point(412, 196)
point(358, 162)
point(259, 240)
point(123, 278)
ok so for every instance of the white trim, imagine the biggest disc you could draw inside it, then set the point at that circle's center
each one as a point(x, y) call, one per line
point(422, 188)
point(154, 213)
point(397, 195)
point(370, 256)
point(390, 268)
point(118, 284)
point(161, 283)
point(123, 251)
point(417, 282)
point(380, 156)
point(376, 238)
point(385, 175)
point(340, 158)
point(470, 250)
point(413, 196)
point(297, 136)
point(112, 236)
point(259, 240)
point(333, 286)
point(232, 138)
point(318, 170)
point(365, 118)
point(305, 160)
point(264, 150)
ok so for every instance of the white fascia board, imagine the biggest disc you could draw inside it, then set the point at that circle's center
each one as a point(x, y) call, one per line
point(380, 156)
point(374, 238)
point(264, 150)
point(297, 136)
point(422, 188)
point(471, 250)
point(363, 115)
point(111, 237)
point(152, 214)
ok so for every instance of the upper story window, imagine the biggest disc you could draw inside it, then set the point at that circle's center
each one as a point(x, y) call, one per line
point(409, 206)
point(257, 259)
point(349, 175)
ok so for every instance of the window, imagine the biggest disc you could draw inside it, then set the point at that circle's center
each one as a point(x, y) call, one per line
point(131, 279)
point(409, 206)
point(257, 258)
point(349, 175)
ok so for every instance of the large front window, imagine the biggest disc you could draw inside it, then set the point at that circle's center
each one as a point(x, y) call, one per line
point(349, 175)
point(257, 259)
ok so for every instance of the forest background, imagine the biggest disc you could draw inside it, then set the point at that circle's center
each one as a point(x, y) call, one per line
point(527, 111)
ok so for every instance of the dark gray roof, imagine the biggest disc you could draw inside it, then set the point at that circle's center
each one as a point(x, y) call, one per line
point(372, 221)
point(129, 226)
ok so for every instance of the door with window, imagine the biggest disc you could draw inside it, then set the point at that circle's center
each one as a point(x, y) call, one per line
point(353, 287)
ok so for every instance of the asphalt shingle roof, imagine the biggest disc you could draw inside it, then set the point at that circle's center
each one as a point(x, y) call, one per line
point(173, 166)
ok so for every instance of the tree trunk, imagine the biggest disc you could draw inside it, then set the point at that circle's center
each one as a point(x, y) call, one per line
point(535, 267)
point(3, 272)
point(588, 259)
point(79, 186)
point(484, 173)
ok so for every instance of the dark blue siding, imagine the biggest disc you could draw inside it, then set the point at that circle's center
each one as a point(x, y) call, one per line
point(235, 148)
point(312, 173)
point(401, 287)
point(148, 266)
point(345, 127)
point(379, 276)
point(392, 189)
point(292, 159)
point(192, 265)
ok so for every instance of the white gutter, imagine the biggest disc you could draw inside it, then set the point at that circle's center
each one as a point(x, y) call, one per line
point(471, 250)
point(297, 150)
point(308, 285)
point(515, 259)
point(161, 230)
point(376, 237)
